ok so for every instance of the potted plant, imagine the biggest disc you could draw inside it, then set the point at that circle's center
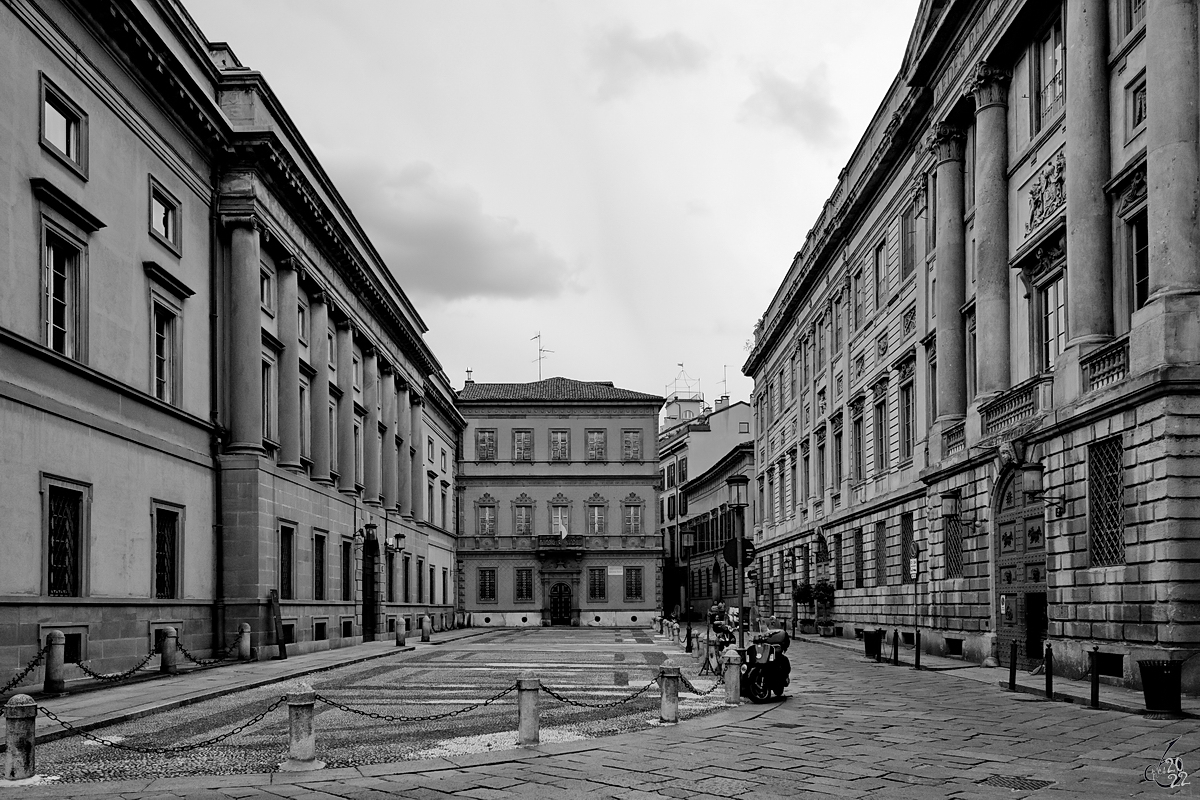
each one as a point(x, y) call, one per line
point(803, 594)
point(823, 597)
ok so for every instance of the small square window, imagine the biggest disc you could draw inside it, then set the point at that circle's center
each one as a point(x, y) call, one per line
point(164, 217)
point(64, 128)
point(266, 290)
point(302, 323)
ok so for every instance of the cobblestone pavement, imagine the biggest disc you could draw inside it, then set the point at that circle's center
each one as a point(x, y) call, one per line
point(848, 728)
point(589, 666)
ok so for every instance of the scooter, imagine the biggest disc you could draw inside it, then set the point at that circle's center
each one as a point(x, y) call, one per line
point(765, 668)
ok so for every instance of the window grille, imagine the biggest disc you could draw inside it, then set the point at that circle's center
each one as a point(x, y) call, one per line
point(524, 584)
point(881, 553)
point(166, 539)
point(390, 560)
point(318, 567)
point(64, 542)
point(822, 550)
point(1106, 503)
point(286, 543)
point(907, 548)
point(837, 561)
point(597, 584)
point(858, 558)
point(633, 583)
point(348, 571)
point(487, 584)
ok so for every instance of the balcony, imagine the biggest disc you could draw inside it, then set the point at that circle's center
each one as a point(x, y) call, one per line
point(954, 438)
point(1019, 403)
point(558, 543)
point(1105, 365)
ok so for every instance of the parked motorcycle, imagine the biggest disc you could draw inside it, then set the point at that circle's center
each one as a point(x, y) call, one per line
point(765, 668)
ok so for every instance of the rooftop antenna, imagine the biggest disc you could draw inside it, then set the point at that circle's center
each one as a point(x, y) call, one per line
point(541, 352)
point(468, 374)
point(725, 380)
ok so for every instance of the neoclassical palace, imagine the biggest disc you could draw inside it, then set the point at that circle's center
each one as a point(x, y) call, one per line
point(976, 386)
point(216, 402)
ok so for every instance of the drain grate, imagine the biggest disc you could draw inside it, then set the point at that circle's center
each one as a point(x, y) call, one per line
point(1010, 782)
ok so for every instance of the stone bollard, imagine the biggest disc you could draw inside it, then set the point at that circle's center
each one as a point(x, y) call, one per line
point(302, 734)
point(426, 624)
point(660, 625)
point(56, 642)
point(244, 641)
point(733, 677)
point(668, 681)
point(528, 733)
point(170, 643)
point(20, 721)
point(400, 632)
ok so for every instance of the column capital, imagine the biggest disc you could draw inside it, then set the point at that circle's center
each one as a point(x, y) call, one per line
point(318, 297)
point(989, 84)
point(290, 262)
point(344, 325)
point(241, 221)
point(385, 368)
point(946, 142)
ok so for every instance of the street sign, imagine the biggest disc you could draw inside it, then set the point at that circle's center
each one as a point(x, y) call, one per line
point(912, 567)
point(729, 552)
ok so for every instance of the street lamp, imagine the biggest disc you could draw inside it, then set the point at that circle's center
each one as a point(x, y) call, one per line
point(689, 539)
point(738, 486)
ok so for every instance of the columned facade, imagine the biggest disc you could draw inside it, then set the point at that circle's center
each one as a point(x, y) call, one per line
point(245, 337)
point(947, 146)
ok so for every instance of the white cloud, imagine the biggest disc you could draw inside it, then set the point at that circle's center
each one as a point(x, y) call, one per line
point(623, 59)
point(440, 243)
point(802, 107)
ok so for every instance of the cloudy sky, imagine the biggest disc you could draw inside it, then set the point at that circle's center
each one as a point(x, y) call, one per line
point(629, 178)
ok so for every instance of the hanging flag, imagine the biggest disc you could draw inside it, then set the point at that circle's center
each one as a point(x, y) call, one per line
point(561, 529)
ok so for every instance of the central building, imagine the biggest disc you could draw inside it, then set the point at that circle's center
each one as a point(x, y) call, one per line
point(557, 484)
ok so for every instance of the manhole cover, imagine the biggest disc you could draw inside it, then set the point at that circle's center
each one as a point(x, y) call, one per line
point(1009, 782)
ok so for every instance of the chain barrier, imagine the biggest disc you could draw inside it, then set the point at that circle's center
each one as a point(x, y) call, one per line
point(115, 676)
point(210, 662)
point(183, 748)
point(28, 669)
point(392, 718)
point(613, 704)
point(693, 690)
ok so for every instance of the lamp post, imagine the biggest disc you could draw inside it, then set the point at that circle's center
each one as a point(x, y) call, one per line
point(689, 540)
point(738, 486)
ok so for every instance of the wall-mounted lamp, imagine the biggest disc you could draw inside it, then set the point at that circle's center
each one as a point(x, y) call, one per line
point(395, 542)
point(1059, 504)
point(362, 533)
point(951, 503)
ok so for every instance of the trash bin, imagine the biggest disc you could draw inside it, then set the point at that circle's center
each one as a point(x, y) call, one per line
point(1161, 686)
point(873, 643)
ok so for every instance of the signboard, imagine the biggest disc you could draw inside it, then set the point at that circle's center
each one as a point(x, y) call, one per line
point(729, 552)
point(912, 566)
point(616, 572)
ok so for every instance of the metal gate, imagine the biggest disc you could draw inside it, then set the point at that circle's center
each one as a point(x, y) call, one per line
point(1020, 575)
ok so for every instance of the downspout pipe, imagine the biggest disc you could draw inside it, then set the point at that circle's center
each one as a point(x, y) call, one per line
point(218, 431)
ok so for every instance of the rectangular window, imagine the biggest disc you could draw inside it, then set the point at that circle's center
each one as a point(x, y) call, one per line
point(421, 580)
point(348, 571)
point(882, 440)
point(486, 516)
point(792, 486)
point(820, 333)
point(1137, 110)
point(1133, 13)
point(671, 475)
point(932, 393)
point(487, 585)
point(1139, 260)
point(332, 351)
point(389, 567)
point(820, 470)
point(1052, 324)
point(907, 547)
point(266, 290)
point(683, 470)
point(333, 437)
point(164, 217)
point(859, 571)
point(523, 588)
point(62, 298)
point(485, 445)
point(971, 368)
point(856, 319)
point(287, 562)
point(952, 530)
point(1106, 503)
point(522, 445)
point(804, 478)
point(931, 214)
point(357, 375)
point(631, 445)
point(596, 526)
point(358, 454)
point(405, 586)
point(881, 553)
point(597, 584)
point(633, 520)
point(858, 442)
point(443, 460)
point(597, 445)
point(166, 553)
point(164, 353)
point(560, 445)
point(907, 432)
point(633, 583)
point(838, 580)
point(559, 521)
point(432, 574)
point(838, 474)
point(1049, 76)
point(908, 242)
point(302, 322)
point(319, 550)
point(305, 419)
point(523, 522)
point(270, 393)
point(64, 128)
point(879, 267)
point(837, 326)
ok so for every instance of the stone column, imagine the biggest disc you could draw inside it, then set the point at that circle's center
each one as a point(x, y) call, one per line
point(318, 395)
point(419, 511)
point(990, 87)
point(1089, 235)
point(371, 399)
point(947, 145)
point(345, 416)
point(1172, 170)
point(245, 338)
point(404, 459)
point(288, 327)
point(387, 385)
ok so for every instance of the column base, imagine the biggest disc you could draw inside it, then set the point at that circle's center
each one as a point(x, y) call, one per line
point(1165, 331)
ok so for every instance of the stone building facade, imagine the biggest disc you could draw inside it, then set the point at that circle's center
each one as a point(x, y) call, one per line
point(974, 387)
point(211, 386)
point(558, 484)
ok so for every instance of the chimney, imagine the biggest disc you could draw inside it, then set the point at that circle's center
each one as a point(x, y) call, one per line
point(722, 402)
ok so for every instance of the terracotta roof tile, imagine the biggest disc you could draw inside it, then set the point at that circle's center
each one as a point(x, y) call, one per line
point(551, 390)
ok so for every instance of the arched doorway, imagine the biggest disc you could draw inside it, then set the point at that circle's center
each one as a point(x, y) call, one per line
point(560, 604)
point(1020, 573)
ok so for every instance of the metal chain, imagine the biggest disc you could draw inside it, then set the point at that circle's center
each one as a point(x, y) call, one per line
point(206, 662)
point(115, 676)
point(391, 718)
point(183, 748)
point(688, 685)
point(28, 669)
point(613, 704)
